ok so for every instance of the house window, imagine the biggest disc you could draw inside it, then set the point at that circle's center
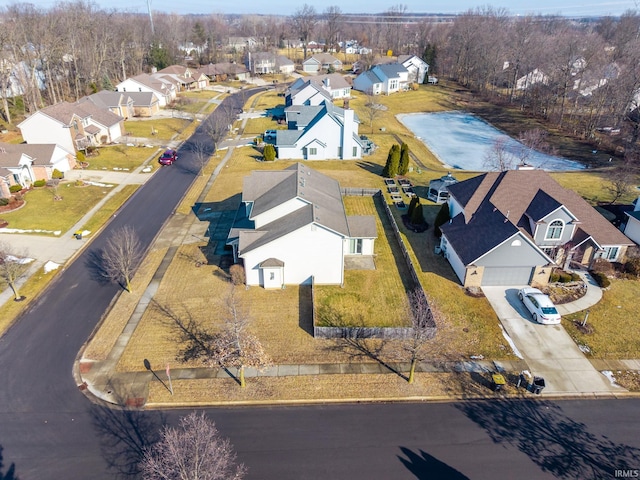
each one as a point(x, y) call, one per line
point(355, 246)
point(554, 230)
point(355, 151)
point(313, 151)
point(610, 253)
point(393, 84)
point(272, 276)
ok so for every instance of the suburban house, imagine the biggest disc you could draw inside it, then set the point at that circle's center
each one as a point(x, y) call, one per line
point(632, 226)
point(291, 228)
point(117, 102)
point(260, 63)
point(319, 132)
point(387, 78)
point(532, 78)
point(187, 78)
point(334, 84)
point(22, 164)
point(305, 92)
point(163, 89)
point(219, 72)
point(145, 104)
point(321, 62)
point(74, 126)
point(511, 228)
point(417, 68)
point(242, 43)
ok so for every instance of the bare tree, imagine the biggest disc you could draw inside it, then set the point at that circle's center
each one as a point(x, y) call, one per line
point(235, 347)
point(622, 180)
point(195, 451)
point(13, 268)
point(121, 256)
point(303, 22)
point(429, 334)
point(534, 140)
point(333, 17)
point(372, 109)
point(227, 346)
point(202, 152)
point(498, 158)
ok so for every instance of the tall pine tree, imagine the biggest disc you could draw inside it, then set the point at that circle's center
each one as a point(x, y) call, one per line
point(390, 169)
point(403, 167)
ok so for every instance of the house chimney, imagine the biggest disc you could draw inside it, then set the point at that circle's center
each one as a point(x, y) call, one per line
point(327, 82)
point(349, 129)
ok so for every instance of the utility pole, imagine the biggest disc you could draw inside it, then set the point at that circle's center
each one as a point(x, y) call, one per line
point(150, 17)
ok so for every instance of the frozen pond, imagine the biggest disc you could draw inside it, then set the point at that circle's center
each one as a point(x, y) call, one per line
point(461, 140)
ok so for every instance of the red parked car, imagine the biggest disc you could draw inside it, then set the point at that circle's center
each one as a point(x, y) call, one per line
point(168, 157)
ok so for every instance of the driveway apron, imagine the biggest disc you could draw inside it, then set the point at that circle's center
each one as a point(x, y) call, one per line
point(548, 349)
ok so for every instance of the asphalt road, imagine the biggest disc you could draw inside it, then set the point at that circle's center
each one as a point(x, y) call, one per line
point(49, 429)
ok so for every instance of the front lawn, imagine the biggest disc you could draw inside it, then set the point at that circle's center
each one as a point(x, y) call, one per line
point(42, 212)
point(165, 129)
point(120, 157)
point(613, 323)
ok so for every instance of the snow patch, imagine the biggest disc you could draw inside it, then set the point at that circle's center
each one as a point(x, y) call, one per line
point(506, 336)
point(98, 184)
point(50, 266)
point(23, 261)
point(17, 230)
point(609, 375)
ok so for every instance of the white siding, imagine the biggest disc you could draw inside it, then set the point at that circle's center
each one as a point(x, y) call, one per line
point(450, 254)
point(632, 230)
point(39, 128)
point(309, 251)
point(278, 211)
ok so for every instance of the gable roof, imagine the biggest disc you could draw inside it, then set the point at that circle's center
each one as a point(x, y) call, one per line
point(40, 153)
point(391, 70)
point(488, 228)
point(108, 99)
point(322, 58)
point(513, 194)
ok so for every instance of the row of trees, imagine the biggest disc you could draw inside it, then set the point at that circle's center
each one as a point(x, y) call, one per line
point(580, 75)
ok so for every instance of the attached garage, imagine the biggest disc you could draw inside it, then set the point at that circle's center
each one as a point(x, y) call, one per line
point(507, 276)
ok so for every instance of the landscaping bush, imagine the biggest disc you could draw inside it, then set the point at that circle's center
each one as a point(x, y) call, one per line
point(601, 279)
point(441, 219)
point(602, 266)
point(632, 267)
point(4, 202)
point(57, 174)
point(237, 274)
point(15, 188)
point(39, 183)
point(80, 157)
point(269, 153)
point(390, 169)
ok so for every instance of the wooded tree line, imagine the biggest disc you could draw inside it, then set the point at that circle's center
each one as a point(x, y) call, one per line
point(579, 75)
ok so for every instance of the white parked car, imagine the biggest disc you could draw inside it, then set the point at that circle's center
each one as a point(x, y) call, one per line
point(540, 305)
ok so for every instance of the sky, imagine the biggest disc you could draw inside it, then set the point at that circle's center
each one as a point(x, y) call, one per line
point(288, 7)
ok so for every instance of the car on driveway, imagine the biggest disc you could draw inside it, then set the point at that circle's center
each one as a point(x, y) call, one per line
point(539, 305)
point(270, 135)
point(168, 157)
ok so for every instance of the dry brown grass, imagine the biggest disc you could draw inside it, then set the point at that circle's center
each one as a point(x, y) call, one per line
point(112, 325)
point(319, 388)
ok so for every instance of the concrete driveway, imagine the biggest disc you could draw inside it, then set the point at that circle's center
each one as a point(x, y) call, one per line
point(548, 349)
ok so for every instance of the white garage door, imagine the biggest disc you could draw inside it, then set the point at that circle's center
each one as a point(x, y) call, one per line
point(507, 276)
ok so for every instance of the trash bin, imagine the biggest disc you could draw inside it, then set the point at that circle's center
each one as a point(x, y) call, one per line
point(498, 381)
point(538, 385)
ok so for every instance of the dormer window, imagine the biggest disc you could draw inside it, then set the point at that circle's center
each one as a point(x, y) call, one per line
point(554, 230)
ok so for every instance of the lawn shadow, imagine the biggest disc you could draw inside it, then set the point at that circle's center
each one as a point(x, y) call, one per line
point(371, 167)
point(94, 263)
point(428, 467)
point(556, 443)
point(305, 309)
point(124, 436)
